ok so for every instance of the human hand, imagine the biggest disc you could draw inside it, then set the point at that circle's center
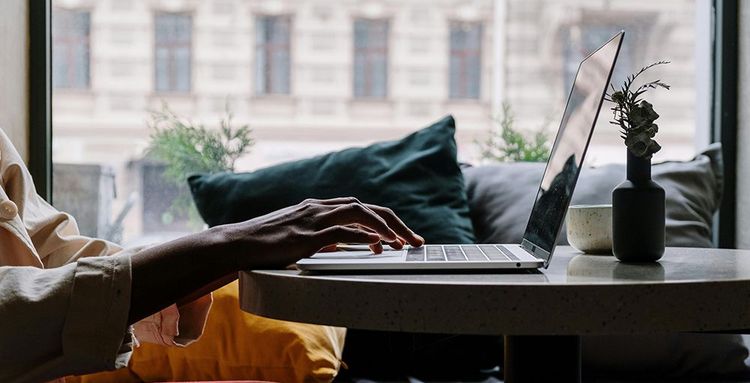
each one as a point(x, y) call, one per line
point(284, 236)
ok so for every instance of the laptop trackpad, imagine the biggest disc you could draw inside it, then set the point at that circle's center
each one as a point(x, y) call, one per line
point(387, 254)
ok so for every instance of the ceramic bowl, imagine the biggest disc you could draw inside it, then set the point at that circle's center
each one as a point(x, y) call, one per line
point(589, 228)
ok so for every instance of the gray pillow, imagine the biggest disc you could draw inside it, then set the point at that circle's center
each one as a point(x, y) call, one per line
point(500, 200)
point(501, 196)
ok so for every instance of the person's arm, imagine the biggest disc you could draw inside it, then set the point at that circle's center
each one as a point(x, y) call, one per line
point(196, 264)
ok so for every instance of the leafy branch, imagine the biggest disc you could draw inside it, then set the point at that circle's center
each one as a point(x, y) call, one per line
point(635, 116)
point(186, 148)
point(507, 144)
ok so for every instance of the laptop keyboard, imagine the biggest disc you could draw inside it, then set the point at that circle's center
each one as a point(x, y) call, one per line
point(471, 253)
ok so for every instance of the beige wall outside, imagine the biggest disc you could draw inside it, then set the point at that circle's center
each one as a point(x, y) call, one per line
point(13, 66)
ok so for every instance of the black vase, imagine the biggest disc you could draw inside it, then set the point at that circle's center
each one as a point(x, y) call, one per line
point(638, 214)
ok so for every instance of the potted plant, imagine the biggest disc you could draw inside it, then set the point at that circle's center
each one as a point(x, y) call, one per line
point(638, 204)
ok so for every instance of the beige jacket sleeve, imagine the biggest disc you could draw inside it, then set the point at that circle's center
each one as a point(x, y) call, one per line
point(33, 233)
point(66, 320)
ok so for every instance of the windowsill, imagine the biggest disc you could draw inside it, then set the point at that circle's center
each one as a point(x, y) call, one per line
point(371, 101)
point(272, 104)
point(273, 96)
point(180, 103)
point(465, 101)
point(163, 94)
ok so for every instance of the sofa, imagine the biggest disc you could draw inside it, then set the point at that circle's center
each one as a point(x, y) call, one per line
point(421, 180)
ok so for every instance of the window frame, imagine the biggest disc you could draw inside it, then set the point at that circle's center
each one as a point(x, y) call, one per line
point(464, 94)
point(87, 39)
point(724, 113)
point(387, 51)
point(723, 103)
point(40, 96)
point(265, 92)
point(190, 47)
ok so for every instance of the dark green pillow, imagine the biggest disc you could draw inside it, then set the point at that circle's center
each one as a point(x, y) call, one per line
point(418, 177)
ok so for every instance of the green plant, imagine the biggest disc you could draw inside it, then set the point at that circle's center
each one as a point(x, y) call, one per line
point(634, 116)
point(186, 148)
point(507, 144)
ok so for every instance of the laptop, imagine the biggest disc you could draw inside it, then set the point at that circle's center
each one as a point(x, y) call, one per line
point(552, 200)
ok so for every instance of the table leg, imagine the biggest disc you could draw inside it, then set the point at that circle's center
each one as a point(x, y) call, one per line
point(542, 358)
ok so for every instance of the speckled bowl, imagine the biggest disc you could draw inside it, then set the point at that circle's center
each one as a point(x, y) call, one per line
point(589, 228)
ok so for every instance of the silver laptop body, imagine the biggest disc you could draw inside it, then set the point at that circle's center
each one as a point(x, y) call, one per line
point(552, 200)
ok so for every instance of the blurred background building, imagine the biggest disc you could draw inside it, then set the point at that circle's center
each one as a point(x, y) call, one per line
point(311, 76)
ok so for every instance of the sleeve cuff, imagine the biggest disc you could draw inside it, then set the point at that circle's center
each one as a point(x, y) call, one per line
point(176, 325)
point(193, 320)
point(96, 331)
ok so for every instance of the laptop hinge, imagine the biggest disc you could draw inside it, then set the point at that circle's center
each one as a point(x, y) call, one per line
point(536, 251)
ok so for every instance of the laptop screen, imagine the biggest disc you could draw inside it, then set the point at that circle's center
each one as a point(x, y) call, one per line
point(569, 149)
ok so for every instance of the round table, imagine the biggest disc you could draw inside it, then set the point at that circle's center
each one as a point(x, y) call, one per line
point(688, 290)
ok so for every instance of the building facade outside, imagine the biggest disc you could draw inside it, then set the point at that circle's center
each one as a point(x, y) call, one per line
point(311, 76)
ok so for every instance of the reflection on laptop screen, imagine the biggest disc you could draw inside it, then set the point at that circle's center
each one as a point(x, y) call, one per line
point(569, 148)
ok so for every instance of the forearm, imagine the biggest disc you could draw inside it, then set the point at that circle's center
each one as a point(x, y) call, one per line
point(192, 265)
point(178, 270)
point(211, 287)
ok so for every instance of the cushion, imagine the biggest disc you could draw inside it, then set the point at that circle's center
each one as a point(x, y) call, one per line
point(237, 346)
point(501, 197)
point(417, 176)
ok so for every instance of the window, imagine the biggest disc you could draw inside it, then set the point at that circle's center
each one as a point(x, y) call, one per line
point(678, 107)
point(465, 60)
point(370, 58)
point(272, 55)
point(71, 32)
point(582, 38)
point(413, 65)
point(172, 50)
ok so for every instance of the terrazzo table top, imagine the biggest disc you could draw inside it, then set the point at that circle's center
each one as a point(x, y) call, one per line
point(687, 290)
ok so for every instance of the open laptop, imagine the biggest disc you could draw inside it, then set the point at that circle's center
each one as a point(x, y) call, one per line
point(552, 200)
